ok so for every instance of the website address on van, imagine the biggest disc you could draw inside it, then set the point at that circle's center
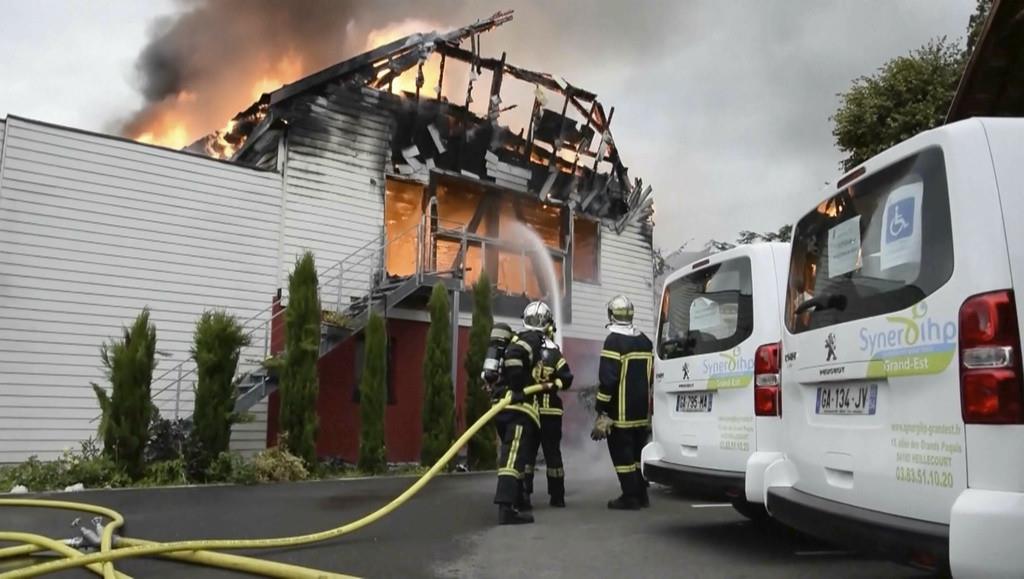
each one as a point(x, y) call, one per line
point(929, 429)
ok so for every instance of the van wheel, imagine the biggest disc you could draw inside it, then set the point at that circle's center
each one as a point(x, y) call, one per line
point(752, 511)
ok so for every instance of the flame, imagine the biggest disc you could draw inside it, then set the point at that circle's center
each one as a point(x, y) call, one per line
point(182, 119)
point(406, 82)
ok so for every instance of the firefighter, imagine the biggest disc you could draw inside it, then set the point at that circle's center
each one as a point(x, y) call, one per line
point(518, 423)
point(623, 401)
point(553, 369)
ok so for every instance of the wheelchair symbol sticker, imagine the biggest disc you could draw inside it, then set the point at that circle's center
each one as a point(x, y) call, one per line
point(900, 220)
point(901, 232)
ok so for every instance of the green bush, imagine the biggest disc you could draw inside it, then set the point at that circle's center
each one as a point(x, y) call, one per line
point(87, 466)
point(166, 473)
point(438, 403)
point(483, 450)
point(373, 393)
point(278, 465)
point(129, 364)
point(231, 467)
point(298, 382)
point(217, 345)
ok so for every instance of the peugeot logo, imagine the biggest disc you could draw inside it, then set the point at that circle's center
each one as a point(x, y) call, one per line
point(686, 371)
point(830, 347)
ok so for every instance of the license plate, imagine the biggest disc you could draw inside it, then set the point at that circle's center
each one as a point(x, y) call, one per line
point(862, 399)
point(693, 402)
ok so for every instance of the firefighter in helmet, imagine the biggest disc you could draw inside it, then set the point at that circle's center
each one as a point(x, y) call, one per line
point(552, 368)
point(623, 401)
point(518, 423)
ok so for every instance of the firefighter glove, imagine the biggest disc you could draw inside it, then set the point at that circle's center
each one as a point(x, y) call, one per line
point(602, 427)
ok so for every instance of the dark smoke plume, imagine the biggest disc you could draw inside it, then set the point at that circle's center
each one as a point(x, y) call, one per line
point(201, 65)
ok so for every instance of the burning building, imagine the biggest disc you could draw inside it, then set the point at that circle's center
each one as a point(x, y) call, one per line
point(421, 161)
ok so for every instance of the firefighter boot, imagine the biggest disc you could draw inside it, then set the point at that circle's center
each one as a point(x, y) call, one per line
point(558, 501)
point(524, 503)
point(509, 516)
point(645, 499)
point(624, 503)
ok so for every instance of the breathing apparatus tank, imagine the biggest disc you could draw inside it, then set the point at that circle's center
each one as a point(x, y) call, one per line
point(501, 335)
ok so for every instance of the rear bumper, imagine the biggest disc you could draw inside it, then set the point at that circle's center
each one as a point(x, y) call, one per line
point(892, 536)
point(708, 481)
point(985, 534)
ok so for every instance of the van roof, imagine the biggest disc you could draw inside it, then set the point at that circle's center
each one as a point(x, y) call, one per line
point(750, 250)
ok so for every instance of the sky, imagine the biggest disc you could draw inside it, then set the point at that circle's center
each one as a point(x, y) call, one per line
point(723, 107)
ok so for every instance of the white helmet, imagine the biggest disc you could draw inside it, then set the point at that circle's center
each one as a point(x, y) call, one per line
point(537, 316)
point(620, 311)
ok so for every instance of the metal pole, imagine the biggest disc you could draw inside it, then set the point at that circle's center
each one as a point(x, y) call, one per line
point(455, 342)
point(177, 395)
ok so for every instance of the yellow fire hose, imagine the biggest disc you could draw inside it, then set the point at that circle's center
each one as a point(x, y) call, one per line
point(200, 551)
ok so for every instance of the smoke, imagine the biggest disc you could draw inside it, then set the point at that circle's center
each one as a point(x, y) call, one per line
point(216, 57)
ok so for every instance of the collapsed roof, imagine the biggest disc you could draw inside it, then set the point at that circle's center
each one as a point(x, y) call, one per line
point(556, 158)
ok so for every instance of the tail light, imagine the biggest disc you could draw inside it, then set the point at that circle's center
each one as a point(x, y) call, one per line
point(990, 369)
point(767, 393)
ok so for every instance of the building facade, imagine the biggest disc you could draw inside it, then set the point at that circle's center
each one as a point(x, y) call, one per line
point(392, 191)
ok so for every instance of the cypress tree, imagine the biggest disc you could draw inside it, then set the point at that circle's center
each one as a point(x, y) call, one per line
point(438, 403)
point(373, 390)
point(129, 364)
point(298, 380)
point(483, 452)
point(217, 345)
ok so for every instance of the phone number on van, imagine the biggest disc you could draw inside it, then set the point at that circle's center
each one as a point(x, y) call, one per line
point(923, 476)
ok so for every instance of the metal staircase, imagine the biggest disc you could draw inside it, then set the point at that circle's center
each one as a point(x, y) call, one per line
point(349, 291)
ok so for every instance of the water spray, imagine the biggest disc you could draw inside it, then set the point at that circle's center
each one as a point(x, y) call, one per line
point(547, 272)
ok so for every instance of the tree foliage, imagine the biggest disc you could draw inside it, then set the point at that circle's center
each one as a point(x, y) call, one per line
point(438, 403)
point(372, 396)
point(129, 364)
point(785, 233)
point(217, 344)
point(908, 95)
point(977, 23)
point(483, 452)
point(298, 380)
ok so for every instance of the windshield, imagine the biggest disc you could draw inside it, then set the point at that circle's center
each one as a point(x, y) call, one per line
point(876, 247)
point(708, 311)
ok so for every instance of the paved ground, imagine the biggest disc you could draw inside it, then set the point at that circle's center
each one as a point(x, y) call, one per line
point(448, 531)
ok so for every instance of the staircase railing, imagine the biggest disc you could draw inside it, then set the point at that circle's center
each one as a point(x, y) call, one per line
point(358, 280)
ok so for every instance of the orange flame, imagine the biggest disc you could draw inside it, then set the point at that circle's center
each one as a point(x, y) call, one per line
point(181, 119)
point(406, 82)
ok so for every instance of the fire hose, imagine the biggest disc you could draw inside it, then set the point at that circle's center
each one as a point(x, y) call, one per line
point(202, 551)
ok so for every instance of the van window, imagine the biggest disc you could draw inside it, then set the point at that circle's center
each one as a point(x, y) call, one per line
point(880, 245)
point(708, 311)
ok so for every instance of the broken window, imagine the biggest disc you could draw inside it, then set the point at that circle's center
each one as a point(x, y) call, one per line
point(403, 208)
point(585, 250)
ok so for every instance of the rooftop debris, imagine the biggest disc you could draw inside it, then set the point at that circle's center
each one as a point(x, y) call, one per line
point(556, 158)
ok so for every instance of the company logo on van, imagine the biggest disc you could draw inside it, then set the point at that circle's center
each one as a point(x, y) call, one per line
point(732, 370)
point(914, 343)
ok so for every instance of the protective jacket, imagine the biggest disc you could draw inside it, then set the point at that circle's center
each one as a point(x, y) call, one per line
point(520, 358)
point(625, 374)
point(554, 369)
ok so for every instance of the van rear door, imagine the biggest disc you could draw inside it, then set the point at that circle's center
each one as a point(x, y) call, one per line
point(871, 393)
point(707, 339)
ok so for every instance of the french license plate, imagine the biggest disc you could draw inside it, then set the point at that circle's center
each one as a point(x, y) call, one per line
point(694, 402)
point(860, 399)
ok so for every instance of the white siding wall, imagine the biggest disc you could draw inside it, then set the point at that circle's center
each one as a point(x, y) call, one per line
point(625, 268)
point(334, 179)
point(3, 127)
point(93, 229)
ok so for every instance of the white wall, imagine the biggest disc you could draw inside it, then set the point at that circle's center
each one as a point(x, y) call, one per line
point(626, 267)
point(334, 179)
point(93, 229)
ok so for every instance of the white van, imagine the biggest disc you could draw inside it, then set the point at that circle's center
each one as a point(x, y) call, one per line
point(718, 345)
point(902, 412)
